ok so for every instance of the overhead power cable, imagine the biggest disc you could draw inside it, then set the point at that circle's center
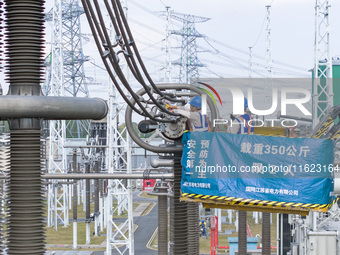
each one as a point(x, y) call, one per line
point(126, 46)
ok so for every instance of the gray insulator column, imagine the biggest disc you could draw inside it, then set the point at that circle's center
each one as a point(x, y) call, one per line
point(24, 30)
point(162, 222)
point(179, 214)
point(26, 220)
point(2, 220)
point(242, 232)
point(266, 233)
point(193, 228)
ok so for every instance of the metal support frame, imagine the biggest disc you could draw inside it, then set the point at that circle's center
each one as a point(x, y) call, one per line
point(323, 84)
point(65, 17)
point(4, 150)
point(67, 78)
point(57, 204)
point(168, 59)
point(266, 217)
point(120, 191)
point(269, 61)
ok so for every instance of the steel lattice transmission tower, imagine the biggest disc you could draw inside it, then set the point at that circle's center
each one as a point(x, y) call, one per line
point(67, 79)
point(57, 202)
point(65, 17)
point(323, 85)
point(269, 61)
point(120, 191)
point(168, 64)
point(120, 236)
point(188, 62)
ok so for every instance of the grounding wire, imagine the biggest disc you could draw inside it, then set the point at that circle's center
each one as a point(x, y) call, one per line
point(220, 55)
point(145, 26)
point(149, 45)
point(256, 56)
point(262, 26)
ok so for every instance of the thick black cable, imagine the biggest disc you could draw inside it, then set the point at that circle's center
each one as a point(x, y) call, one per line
point(93, 29)
point(97, 32)
point(123, 18)
point(124, 26)
point(115, 64)
point(120, 13)
point(95, 36)
point(114, 61)
point(112, 17)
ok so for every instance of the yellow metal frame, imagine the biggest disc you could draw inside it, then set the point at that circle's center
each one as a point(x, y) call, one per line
point(255, 205)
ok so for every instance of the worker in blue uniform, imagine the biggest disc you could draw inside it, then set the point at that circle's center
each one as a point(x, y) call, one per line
point(240, 123)
point(203, 227)
point(198, 121)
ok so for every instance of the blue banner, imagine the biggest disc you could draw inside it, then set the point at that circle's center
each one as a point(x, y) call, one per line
point(297, 170)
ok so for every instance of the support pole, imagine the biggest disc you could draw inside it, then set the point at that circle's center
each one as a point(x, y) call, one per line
point(242, 232)
point(193, 228)
point(87, 202)
point(179, 212)
point(96, 200)
point(75, 204)
point(219, 216)
point(230, 216)
point(265, 233)
point(162, 220)
point(55, 192)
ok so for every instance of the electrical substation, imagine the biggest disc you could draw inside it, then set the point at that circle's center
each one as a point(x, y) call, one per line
point(251, 168)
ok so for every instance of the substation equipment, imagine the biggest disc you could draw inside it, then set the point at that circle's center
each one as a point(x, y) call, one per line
point(25, 107)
